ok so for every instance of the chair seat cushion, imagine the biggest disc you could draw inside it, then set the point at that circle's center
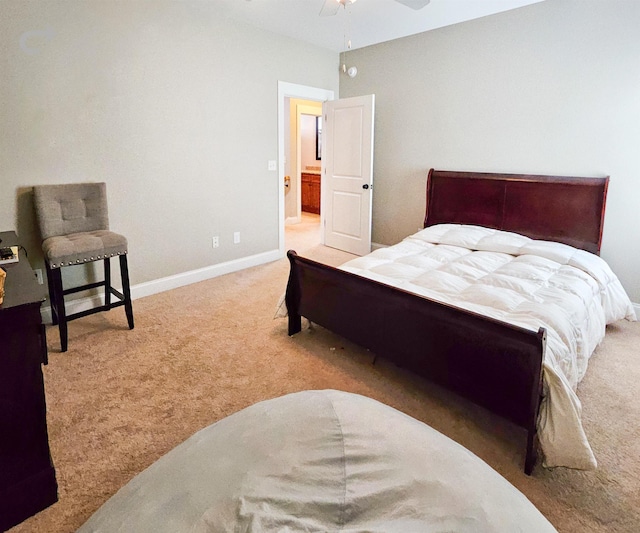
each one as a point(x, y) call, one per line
point(76, 248)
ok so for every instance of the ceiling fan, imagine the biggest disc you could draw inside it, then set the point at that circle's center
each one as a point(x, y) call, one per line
point(330, 7)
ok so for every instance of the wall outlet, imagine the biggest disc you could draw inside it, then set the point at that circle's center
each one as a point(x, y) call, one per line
point(38, 273)
point(215, 242)
point(236, 237)
point(272, 165)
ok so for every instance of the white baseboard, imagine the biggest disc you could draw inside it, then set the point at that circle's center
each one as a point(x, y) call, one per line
point(201, 274)
point(170, 282)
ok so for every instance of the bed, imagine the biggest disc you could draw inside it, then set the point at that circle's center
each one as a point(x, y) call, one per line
point(501, 363)
point(315, 461)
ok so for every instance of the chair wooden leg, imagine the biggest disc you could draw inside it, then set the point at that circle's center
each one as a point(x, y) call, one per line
point(107, 283)
point(126, 290)
point(58, 294)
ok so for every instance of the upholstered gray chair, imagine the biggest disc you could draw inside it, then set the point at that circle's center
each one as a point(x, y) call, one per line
point(74, 224)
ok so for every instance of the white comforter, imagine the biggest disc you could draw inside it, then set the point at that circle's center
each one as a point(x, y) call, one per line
point(318, 461)
point(529, 283)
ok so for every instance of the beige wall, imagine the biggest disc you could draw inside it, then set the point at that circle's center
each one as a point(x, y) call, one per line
point(176, 109)
point(550, 88)
point(170, 104)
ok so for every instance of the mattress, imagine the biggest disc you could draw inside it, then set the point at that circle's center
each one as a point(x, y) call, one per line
point(529, 283)
point(318, 461)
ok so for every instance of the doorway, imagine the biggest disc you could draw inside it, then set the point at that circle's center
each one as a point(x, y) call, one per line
point(309, 226)
point(302, 161)
point(303, 175)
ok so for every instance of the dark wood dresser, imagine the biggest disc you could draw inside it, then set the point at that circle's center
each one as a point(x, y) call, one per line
point(310, 192)
point(27, 477)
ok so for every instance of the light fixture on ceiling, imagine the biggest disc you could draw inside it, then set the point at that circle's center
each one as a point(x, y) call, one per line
point(352, 71)
point(349, 71)
point(330, 7)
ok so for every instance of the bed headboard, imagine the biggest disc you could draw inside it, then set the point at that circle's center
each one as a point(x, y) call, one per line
point(553, 208)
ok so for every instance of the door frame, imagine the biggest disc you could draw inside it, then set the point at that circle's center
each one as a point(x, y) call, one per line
point(304, 92)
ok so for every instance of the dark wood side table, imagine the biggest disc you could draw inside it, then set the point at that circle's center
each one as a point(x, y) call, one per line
point(27, 477)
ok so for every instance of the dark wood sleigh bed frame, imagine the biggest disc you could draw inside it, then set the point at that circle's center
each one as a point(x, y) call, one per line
point(492, 363)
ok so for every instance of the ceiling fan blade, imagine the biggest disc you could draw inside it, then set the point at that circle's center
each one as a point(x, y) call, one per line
point(414, 4)
point(329, 8)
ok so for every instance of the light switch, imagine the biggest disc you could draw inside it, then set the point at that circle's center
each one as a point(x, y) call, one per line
point(272, 165)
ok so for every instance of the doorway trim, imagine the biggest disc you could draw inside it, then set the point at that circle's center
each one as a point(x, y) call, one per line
point(291, 90)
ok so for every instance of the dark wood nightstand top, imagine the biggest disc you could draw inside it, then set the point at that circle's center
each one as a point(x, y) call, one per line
point(21, 286)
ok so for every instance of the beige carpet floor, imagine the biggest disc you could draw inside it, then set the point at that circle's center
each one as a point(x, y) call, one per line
point(119, 399)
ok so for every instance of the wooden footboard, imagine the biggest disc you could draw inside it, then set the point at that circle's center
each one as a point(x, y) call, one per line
point(492, 363)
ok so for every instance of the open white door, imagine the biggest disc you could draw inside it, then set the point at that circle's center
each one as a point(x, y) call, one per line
point(347, 173)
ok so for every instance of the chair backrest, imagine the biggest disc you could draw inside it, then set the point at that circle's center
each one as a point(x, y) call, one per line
point(71, 208)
